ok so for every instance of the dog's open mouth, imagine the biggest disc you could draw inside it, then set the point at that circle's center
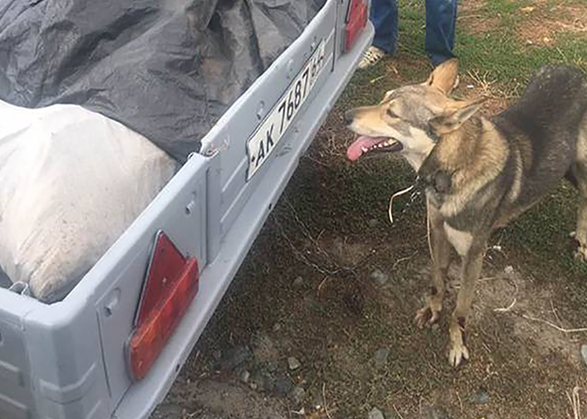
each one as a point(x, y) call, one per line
point(364, 145)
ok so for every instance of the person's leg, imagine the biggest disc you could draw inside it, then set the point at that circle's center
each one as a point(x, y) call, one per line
point(441, 20)
point(385, 20)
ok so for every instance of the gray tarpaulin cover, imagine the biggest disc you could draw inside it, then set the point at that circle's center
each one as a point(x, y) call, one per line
point(167, 69)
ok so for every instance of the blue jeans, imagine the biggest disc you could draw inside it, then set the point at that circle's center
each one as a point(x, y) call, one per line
point(441, 19)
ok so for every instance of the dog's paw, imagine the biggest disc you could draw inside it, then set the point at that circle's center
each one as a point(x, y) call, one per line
point(458, 351)
point(430, 313)
point(579, 249)
point(426, 317)
point(580, 254)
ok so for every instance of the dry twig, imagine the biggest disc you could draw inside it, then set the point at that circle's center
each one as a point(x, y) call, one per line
point(324, 270)
point(575, 400)
point(508, 308)
point(513, 303)
point(398, 413)
point(560, 329)
point(403, 260)
point(488, 86)
point(324, 400)
point(460, 401)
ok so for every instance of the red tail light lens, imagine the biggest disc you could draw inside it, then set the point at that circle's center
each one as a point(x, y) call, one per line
point(170, 287)
point(356, 21)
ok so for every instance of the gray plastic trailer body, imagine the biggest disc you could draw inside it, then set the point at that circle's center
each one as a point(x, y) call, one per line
point(67, 360)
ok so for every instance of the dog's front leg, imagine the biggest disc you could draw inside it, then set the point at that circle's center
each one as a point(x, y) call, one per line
point(579, 172)
point(580, 234)
point(471, 269)
point(440, 254)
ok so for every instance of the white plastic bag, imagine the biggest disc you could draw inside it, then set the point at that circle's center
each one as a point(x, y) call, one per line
point(71, 182)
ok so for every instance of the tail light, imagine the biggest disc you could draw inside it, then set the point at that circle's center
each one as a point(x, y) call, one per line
point(170, 286)
point(356, 21)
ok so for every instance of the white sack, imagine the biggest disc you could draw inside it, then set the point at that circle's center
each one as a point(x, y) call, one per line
point(71, 182)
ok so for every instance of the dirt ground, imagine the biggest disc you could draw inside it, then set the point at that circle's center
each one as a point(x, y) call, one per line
point(318, 321)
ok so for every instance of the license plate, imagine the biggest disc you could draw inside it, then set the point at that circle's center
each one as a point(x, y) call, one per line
point(272, 129)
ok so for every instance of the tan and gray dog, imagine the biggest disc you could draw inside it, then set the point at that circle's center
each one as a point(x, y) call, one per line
point(479, 173)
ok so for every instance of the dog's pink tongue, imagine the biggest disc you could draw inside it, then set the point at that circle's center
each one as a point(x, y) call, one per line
point(355, 150)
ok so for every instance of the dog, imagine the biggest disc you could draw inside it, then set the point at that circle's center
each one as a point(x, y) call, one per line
point(479, 173)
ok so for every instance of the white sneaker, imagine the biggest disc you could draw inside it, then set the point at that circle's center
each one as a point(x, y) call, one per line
point(371, 57)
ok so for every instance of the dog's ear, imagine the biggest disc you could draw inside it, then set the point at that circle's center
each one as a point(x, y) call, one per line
point(444, 76)
point(455, 116)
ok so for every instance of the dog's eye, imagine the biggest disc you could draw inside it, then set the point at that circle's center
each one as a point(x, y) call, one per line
point(391, 113)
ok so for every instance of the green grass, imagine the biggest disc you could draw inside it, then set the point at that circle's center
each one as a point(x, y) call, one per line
point(411, 28)
point(543, 234)
point(501, 52)
point(507, 10)
point(572, 49)
point(510, 62)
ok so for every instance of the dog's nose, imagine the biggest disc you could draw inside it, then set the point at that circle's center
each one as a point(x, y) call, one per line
point(348, 117)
